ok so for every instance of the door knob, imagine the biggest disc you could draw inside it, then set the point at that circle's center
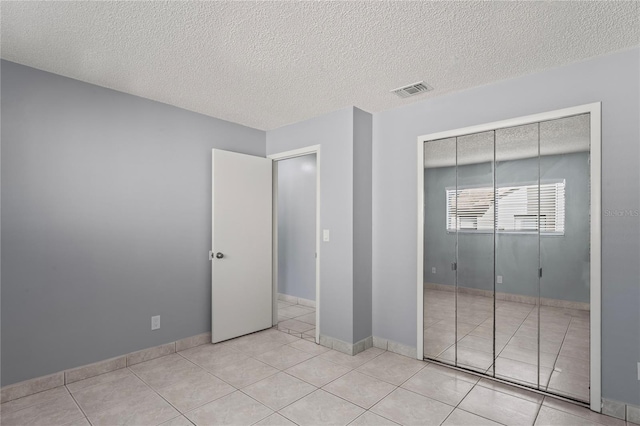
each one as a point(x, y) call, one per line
point(219, 255)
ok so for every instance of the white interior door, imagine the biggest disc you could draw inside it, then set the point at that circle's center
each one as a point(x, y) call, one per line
point(241, 265)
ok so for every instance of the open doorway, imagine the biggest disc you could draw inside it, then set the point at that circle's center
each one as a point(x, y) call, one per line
point(296, 242)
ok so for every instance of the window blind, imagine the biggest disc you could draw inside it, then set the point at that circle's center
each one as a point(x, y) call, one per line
point(515, 208)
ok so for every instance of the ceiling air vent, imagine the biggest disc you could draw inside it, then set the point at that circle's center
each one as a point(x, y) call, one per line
point(412, 89)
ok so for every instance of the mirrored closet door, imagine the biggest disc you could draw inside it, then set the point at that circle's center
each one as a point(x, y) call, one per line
point(507, 254)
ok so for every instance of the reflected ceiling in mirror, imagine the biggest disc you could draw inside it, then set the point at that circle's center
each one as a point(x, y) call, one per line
point(562, 136)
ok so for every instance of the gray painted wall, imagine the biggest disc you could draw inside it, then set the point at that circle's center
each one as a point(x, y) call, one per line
point(297, 226)
point(362, 225)
point(611, 79)
point(106, 220)
point(334, 132)
point(564, 259)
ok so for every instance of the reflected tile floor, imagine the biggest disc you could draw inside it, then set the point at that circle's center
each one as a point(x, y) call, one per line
point(298, 320)
point(293, 381)
point(564, 340)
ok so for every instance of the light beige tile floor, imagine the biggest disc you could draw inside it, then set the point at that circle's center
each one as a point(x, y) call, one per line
point(228, 383)
point(563, 334)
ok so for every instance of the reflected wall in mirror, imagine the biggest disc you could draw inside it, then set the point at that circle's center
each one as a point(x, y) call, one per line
point(565, 254)
point(439, 251)
point(517, 257)
point(473, 219)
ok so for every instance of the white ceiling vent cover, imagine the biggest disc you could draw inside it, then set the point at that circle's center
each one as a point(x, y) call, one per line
point(412, 89)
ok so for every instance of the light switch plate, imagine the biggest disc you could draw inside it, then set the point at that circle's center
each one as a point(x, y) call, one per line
point(639, 371)
point(499, 279)
point(433, 270)
point(325, 235)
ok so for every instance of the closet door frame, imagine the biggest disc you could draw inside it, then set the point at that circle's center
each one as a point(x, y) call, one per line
point(594, 111)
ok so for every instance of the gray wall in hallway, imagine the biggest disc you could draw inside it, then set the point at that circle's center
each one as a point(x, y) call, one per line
point(362, 225)
point(106, 220)
point(297, 226)
point(565, 259)
point(611, 79)
point(334, 132)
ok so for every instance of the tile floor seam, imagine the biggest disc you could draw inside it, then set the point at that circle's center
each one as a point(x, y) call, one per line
point(275, 411)
point(261, 403)
point(380, 415)
point(293, 365)
point(77, 404)
point(411, 377)
point(537, 412)
point(337, 396)
point(192, 362)
point(581, 417)
point(366, 374)
point(433, 399)
point(448, 415)
point(156, 392)
point(319, 387)
point(237, 390)
point(427, 397)
point(228, 383)
point(201, 405)
point(512, 336)
point(367, 409)
point(555, 361)
point(177, 417)
point(481, 416)
point(31, 407)
point(204, 368)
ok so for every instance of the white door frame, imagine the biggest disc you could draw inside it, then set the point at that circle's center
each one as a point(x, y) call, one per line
point(594, 109)
point(314, 149)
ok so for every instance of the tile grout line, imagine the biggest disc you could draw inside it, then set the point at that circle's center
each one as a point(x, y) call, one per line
point(555, 361)
point(337, 378)
point(156, 392)
point(538, 412)
point(359, 406)
point(458, 404)
point(244, 393)
point(78, 405)
point(513, 335)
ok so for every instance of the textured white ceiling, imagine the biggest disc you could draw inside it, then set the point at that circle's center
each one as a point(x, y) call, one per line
point(267, 64)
